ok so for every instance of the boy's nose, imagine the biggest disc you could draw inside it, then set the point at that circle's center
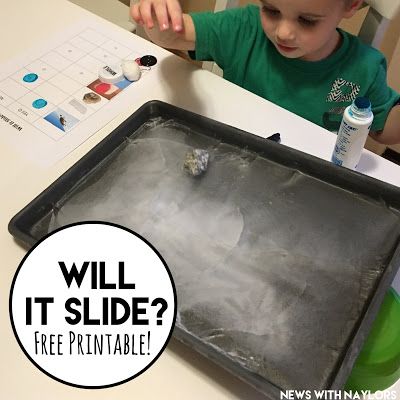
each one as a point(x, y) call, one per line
point(285, 31)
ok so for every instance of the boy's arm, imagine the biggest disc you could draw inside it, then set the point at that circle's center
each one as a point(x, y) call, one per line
point(165, 24)
point(391, 132)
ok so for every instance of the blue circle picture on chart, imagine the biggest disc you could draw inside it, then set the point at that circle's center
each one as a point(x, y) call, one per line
point(39, 103)
point(30, 78)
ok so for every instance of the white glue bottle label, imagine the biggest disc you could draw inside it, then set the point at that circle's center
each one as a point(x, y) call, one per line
point(353, 132)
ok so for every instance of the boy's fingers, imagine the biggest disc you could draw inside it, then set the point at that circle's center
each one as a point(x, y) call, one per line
point(160, 10)
point(175, 13)
point(145, 13)
point(136, 14)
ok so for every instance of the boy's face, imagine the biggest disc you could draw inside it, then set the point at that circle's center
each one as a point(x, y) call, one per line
point(304, 29)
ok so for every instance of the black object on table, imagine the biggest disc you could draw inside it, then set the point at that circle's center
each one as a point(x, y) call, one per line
point(280, 259)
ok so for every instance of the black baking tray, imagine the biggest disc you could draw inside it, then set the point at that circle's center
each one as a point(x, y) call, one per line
point(281, 260)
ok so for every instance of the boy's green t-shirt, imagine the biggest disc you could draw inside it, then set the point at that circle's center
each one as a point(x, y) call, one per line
point(318, 91)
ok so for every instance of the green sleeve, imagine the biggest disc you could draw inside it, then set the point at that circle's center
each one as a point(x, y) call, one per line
point(382, 98)
point(218, 34)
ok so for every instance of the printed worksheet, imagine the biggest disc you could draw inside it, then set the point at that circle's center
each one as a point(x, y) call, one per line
point(57, 95)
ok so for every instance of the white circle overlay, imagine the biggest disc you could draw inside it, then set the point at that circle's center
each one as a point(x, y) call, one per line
point(107, 323)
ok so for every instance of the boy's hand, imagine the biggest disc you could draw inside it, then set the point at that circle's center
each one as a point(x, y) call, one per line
point(166, 13)
point(158, 17)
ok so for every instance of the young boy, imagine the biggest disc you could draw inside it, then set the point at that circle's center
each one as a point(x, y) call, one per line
point(287, 51)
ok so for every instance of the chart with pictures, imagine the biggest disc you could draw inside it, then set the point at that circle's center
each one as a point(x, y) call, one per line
point(52, 101)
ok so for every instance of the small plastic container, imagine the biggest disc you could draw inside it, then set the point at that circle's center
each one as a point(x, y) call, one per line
point(378, 365)
point(353, 132)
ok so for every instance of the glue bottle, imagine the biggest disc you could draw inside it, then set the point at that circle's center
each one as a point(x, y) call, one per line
point(353, 132)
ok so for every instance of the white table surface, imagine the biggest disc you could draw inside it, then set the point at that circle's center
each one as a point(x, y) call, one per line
point(179, 373)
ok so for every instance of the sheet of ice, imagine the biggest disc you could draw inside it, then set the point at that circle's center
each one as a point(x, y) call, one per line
point(271, 266)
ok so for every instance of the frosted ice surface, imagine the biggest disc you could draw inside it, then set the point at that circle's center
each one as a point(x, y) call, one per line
point(271, 266)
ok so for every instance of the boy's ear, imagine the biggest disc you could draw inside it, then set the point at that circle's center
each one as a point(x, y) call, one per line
point(351, 7)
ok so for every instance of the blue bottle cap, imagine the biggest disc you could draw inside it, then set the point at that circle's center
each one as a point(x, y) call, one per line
point(39, 103)
point(362, 103)
point(29, 78)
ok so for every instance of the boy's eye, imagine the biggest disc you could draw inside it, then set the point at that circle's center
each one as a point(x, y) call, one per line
point(270, 11)
point(307, 22)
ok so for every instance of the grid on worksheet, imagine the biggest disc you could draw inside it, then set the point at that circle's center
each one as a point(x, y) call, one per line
point(61, 88)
